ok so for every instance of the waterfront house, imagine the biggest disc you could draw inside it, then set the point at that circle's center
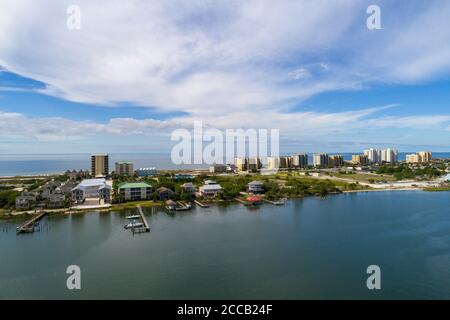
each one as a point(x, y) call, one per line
point(188, 187)
point(56, 200)
point(164, 193)
point(135, 191)
point(92, 188)
point(25, 201)
point(255, 187)
point(210, 189)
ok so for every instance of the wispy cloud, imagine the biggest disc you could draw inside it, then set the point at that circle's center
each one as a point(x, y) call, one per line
point(228, 63)
point(209, 57)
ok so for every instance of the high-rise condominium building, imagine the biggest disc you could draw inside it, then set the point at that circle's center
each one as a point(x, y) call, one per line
point(241, 163)
point(360, 159)
point(425, 156)
point(300, 160)
point(124, 168)
point(373, 155)
point(279, 162)
point(335, 161)
point(100, 165)
point(273, 163)
point(254, 164)
point(389, 155)
point(320, 160)
point(419, 157)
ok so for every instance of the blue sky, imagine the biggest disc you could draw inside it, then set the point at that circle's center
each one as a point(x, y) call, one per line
point(312, 69)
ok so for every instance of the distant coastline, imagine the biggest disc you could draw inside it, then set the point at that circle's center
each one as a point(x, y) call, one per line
point(26, 165)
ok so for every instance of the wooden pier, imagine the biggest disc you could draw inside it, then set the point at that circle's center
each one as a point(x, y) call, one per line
point(146, 227)
point(203, 205)
point(242, 201)
point(30, 225)
point(182, 206)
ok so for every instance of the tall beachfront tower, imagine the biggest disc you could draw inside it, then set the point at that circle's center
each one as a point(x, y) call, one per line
point(100, 165)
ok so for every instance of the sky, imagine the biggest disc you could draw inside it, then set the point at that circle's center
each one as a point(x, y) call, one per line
point(135, 71)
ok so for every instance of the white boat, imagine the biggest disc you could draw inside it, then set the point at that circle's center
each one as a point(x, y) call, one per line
point(133, 225)
point(133, 217)
point(280, 202)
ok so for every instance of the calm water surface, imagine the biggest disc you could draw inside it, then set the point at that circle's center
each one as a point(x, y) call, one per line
point(311, 248)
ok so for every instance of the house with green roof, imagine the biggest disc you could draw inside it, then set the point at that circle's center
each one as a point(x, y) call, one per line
point(134, 191)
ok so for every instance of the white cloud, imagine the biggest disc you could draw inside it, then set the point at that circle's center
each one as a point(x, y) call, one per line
point(227, 63)
point(197, 56)
point(307, 125)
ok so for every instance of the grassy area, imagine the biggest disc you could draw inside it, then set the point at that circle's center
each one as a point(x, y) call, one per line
point(438, 189)
point(364, 177)
point(134, 204)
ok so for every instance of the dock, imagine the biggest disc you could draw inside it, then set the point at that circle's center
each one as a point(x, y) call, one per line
point(276, 203)
point(182, 206)
point(146, 227)
point(203, 205)
point(30, 225)
point(241, 201)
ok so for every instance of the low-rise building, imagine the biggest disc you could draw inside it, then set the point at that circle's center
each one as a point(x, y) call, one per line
point(189, 187)
point(92, 188)
point(183, 176)
point(56, 200)
point(130, 191)
point(164, 193)
point(255, 187)
point(146, 172)
point(210, 190)
point(25, 201)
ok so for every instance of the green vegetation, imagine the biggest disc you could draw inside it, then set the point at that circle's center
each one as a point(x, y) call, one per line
point(8, 198)
point(403, 171)
point(300, 188)
point(134, 204)
point(364, 177)
point(438, 189)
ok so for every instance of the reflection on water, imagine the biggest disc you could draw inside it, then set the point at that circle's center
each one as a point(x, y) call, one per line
point(310, 248)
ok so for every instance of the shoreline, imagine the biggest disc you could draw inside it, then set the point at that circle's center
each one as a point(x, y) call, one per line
point(151, 204)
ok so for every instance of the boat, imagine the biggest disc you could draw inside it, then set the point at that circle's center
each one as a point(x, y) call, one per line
point(133, 225)
point(171, 205)
point(253, 200)
point(133, 217)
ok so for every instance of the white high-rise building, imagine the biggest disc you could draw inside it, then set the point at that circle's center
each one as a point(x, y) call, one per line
point(373, 155)
point(389, 155)
point(320, 160)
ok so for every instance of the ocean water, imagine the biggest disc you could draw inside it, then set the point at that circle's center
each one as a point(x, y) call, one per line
point(310, 248)
point(33, 164)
